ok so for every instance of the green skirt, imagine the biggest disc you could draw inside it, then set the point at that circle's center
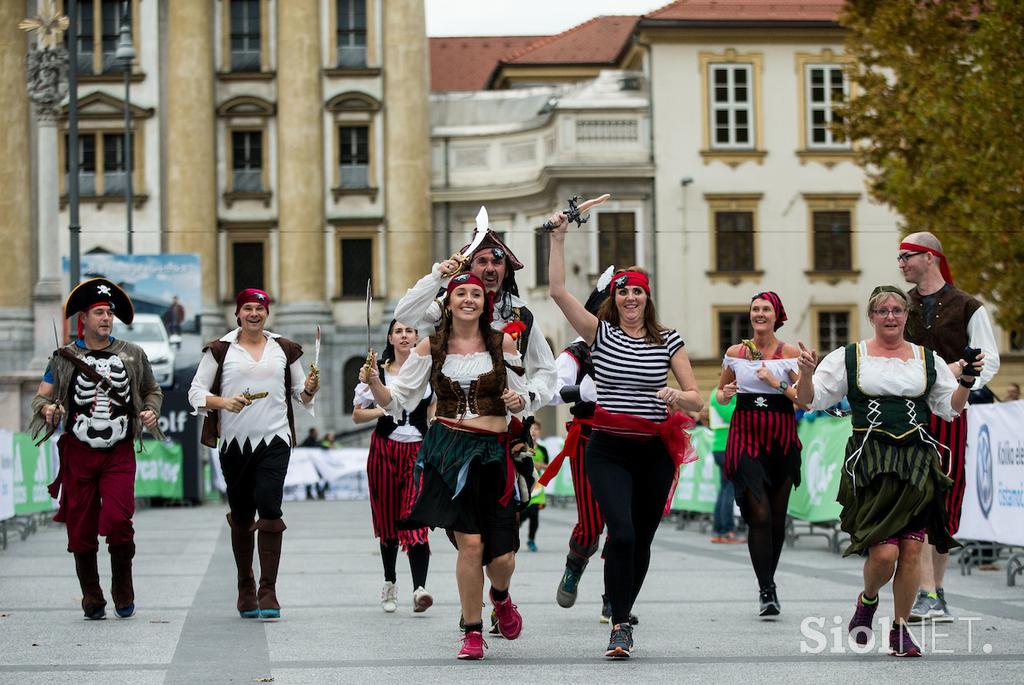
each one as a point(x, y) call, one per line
point(895, 487)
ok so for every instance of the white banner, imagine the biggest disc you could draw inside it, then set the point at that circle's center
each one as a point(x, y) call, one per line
point(6, 475)
point(343, 470)
point(993, 507)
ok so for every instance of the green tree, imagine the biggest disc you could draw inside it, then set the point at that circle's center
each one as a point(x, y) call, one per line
point(938, 116)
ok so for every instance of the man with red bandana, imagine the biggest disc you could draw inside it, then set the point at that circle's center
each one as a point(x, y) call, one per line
point(105, 391)
point(494, 264)
point(947, 320)
point(245, 388)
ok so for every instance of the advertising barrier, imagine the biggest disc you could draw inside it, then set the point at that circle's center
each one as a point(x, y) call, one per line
point(993, 508)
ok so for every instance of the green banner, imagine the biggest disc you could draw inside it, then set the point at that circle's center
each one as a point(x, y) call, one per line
point(158, 470)
point(34, 469)
point(699, 480)
point(824, 444)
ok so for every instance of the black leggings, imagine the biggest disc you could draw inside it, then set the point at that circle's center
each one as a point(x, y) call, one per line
point(630, 480)
point(765, 515)
point(532, 513)
point(419, 562)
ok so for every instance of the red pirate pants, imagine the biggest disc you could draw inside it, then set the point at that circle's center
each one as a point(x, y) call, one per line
point(589, 522)
point(97, 493)
point(952, 434)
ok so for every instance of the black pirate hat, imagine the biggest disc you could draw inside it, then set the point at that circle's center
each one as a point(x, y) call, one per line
point(99, 291)
point(492, 242)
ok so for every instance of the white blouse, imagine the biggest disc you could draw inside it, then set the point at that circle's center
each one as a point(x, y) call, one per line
point(746, 373)
point(409, 386)
point(885, 376)
point(363, 398)
point(265, 418)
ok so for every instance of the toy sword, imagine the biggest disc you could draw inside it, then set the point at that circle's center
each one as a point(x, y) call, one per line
point(576, 209)
point(479, 232)
point(370, 356)
point(314, 368)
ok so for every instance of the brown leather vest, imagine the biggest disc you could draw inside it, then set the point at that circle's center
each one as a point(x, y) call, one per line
point(484, 397)
point(219, 349)
point(947, 333)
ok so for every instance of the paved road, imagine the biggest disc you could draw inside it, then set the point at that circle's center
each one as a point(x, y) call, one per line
point(697, 613)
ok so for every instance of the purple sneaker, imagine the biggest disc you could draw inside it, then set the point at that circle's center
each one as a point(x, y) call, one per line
point(901, 642)
point(860, 624)
point(510, 623)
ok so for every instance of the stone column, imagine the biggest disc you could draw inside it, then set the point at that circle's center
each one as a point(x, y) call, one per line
point(191, 165)
point(47, 86)
point(300, 177)
point(406, 144)
point(16, 196)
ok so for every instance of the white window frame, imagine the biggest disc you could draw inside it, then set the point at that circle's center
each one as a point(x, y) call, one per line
point(731, 106)
point(826, 106)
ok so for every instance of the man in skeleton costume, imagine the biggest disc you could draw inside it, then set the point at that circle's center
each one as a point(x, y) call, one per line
point(105, 391)
point(490, 260)
point(245, 387)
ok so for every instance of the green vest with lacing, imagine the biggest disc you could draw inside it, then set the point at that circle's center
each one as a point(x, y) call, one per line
point(892, 417)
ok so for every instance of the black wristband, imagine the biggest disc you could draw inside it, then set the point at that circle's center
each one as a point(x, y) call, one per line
point(966, 382)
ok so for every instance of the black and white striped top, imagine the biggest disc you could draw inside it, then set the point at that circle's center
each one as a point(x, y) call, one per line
point(629, 371)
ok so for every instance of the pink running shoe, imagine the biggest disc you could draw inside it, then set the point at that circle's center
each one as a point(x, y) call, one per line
point(510, 623)
point(473, 644)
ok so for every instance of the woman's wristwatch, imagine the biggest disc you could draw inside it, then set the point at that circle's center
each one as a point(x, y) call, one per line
point(966, 382)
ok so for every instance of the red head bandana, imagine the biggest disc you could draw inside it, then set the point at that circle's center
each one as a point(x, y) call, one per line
point(947, 275)
point(473, 279)
point(776, 303)
point(251, 295)
point(627, 278)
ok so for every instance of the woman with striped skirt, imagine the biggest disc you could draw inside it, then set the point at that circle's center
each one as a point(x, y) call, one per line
point(762, 455)
point(637, 441)
point(393, 448)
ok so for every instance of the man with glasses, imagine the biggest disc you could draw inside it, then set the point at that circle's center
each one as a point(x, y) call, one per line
point(946, 320)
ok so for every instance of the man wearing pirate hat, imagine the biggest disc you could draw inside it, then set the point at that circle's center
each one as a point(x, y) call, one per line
point(494, 264)
point(245, 387)
point(105, 392)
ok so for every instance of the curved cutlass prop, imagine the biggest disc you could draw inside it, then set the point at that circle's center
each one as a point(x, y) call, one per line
point(371, 356)
point(482, 223)
point(576, 209)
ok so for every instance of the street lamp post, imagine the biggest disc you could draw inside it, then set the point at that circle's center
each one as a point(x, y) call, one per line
point(74, 227)
point(125, 55)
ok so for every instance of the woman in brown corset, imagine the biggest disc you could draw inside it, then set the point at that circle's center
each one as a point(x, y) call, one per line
point(465, 475)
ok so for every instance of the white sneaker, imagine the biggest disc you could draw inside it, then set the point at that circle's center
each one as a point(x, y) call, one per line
point(389, 597)
point(421, 600)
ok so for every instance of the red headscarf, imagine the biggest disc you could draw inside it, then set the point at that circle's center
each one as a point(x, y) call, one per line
point(472, 279)
point(947, 275)
point(627, 278)
point(251, 295)
point(776, 303)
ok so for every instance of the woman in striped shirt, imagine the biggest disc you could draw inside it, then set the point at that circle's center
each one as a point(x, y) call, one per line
point(762, 455)
point(638, 441)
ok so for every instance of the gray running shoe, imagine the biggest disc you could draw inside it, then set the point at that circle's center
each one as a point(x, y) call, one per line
point(940, 611)
point(922, 609)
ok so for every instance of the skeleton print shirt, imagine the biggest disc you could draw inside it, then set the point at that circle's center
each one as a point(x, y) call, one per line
point(93, 417)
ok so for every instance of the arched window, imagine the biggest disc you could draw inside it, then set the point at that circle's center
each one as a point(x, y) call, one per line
point(350, 379)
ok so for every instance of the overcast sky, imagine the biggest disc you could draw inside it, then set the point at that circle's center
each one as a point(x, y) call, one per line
point(522, 17)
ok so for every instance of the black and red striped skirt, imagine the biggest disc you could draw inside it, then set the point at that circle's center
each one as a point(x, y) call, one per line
point(389, 468)
point(762, 450)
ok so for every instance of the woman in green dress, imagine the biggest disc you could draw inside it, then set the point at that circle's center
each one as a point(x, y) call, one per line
point(892, 485)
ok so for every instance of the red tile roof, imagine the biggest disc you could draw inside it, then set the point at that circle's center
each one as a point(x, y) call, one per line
point(466, 63)
point(748, 10)
point(597, 41)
